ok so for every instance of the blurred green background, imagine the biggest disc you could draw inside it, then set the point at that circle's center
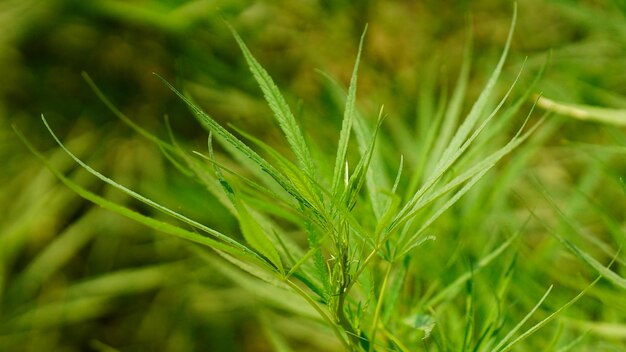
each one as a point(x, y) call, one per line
point(74, 277)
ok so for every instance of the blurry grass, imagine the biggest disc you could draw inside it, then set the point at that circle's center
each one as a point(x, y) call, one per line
point(53, 246)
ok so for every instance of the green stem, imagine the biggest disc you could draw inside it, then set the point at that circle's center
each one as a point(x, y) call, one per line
point(363, 266)
point(321, 312)
point(379, 305)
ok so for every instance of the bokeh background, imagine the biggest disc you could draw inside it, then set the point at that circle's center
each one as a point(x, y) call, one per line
point(74, 277)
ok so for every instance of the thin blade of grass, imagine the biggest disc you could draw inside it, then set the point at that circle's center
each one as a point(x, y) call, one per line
point(454, 286)
point(592, 262)
point(607, 273)
point(549, 318)
point(499, 346)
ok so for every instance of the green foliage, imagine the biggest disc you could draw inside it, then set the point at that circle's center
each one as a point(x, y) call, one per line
point(356, 249)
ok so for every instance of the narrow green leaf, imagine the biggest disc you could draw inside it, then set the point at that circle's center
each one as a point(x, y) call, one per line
point(268, 277)
point(212, 126)
point(306, 187)
point(595, 264)
point(395, 290)
point(470, 176)
point(447, 292)
point(346, 125)
point(413, 242)
point(143, 199)
point(460, 142)
point(231, 247)
point(280, 205)
point(499, 346)
point(276, 295)
point(453, 111)
point(375, 177)
point(107, 102)
point(549, 318)
point(581, 254)
point(359, 176)
point(252, 231)
point(279, 107)
point(256, 236)
point(480, 104)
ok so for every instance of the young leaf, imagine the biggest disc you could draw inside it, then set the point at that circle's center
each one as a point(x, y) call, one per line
point(212, 126)
point(460, 142)
point(346, 125)
point(279, 107)
point(252, 231)
point(231, 246)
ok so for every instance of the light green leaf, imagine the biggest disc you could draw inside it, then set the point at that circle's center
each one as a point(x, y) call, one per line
point(581, 254)
point(252, 231)
point(358, 177)
point(451, 289)
point(231, 246)
point(220, 131)
point(499, 346)
point(464, 135)
point(346, 125)
point(585, 112)
point(279, 107)
point(549, 318)
point(595, 264)
point(141, 198)
point(375, 177)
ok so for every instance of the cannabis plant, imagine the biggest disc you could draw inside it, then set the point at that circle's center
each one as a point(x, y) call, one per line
point(336, 240)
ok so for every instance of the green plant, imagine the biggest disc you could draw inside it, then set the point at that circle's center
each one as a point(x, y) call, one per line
point(344, 239)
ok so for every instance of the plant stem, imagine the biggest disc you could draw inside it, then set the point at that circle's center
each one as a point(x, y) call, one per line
point(379, 305)
point(321, 312)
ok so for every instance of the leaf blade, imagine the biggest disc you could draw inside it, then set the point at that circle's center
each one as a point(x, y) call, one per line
point(279, 107)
